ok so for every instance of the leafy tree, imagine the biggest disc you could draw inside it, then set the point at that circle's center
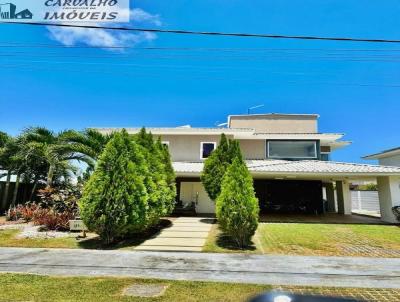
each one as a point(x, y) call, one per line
point(6, 163)
point(237, 207)
point(216, 165)
point(4, 137)
point(115, 199)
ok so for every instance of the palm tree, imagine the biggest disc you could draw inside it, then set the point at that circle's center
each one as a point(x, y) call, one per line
point(59, 150)
point(12, 163)
point(89, 141)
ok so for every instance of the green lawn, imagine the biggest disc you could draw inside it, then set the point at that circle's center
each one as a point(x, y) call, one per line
point(15, 287)
point(8, 239)
point(317, 239)
point(217, 242)
point(271, 238)
point(19, 287)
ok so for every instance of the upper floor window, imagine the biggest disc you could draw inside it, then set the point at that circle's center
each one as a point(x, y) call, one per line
point(292, 149)
point(206, 148)
point(325, 156)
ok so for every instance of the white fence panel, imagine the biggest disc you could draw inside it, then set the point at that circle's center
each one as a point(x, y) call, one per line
point(365, 200)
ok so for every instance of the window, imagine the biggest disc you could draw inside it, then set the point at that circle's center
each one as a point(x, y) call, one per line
point(206, 148)
point(325, 156)
point(292, 149)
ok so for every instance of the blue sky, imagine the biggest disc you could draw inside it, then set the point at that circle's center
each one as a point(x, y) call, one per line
point(355, 87)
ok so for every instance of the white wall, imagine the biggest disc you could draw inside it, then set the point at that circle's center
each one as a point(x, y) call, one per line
point(195, 192)
point(389, 196)
point(390, 161)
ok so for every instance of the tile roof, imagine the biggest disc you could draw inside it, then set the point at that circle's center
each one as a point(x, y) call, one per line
point(166, 130)
point(299, 167)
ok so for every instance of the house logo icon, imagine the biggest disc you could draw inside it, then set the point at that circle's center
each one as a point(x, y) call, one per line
point(8, 11)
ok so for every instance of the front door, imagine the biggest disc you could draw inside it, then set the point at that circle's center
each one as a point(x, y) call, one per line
point(195, 192)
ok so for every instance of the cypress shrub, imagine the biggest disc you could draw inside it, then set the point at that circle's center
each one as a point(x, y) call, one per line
point(237, 207)
point(115, 198)
point(160, 179)
point(215, 167)
point(169, 174)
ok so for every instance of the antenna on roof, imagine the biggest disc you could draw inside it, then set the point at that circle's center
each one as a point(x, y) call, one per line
point(218, 124)
point(254, 107)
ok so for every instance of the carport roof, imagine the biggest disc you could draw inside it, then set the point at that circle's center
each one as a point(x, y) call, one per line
point(309, 167)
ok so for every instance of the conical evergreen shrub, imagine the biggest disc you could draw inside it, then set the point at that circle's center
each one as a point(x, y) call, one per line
point(115, 199)
point(237, 207)
point(160, 181)
point(215, 167)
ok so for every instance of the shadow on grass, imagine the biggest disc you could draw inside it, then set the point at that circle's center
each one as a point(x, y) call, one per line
point(226, 242)
point(135, 240)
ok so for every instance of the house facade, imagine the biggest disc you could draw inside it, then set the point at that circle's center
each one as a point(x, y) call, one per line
point(288, 158)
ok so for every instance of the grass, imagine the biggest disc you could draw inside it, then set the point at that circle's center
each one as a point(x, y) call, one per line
point(16, 287)
point(271, 238)
point(8, 238)
point(217, 242)
point(317, 239)
point(23, 287)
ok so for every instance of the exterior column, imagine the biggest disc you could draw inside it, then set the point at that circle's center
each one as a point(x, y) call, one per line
point(343, 197)
point(330, 197)
point(389, 196)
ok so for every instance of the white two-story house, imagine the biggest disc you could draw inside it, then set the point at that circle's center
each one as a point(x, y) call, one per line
point(288, 158)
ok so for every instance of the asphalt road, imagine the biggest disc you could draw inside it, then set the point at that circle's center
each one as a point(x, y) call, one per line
point(259, 269)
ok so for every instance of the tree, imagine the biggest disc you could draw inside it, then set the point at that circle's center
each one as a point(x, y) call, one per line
point(58, 150)
point(160, 182)
point(237, 207)
point(6, 163)
point(115, 199)
point(169, 174)
point(216, 165)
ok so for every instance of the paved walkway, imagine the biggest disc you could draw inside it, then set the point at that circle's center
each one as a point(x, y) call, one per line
point(187, 234)
point(258, 269)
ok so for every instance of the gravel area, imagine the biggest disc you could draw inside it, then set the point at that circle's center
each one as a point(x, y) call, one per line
point(13, 226)
point(31, 231)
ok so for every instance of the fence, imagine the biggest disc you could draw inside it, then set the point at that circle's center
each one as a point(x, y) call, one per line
point(23, 195)
point(365, 201)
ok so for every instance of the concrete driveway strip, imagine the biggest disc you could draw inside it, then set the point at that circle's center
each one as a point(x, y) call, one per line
point(187, 234)
point(258, 269)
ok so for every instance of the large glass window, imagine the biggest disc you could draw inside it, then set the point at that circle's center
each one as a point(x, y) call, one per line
point(206, 149)
point(291, 149)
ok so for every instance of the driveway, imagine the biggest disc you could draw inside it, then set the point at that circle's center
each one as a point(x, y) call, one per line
point(187, 234)
point(258, 269)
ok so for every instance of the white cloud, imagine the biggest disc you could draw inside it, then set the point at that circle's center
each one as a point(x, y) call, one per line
point(138, 15)
point(70, 36)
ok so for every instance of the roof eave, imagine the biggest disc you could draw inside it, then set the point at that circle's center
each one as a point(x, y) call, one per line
point(382, 155)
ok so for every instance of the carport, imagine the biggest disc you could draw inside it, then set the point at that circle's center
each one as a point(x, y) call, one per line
point(303, 181)
point(335, 177)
